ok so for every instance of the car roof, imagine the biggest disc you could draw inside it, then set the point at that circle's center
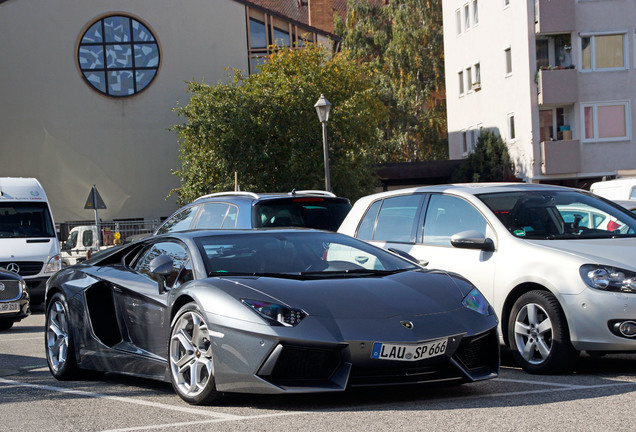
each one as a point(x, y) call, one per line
point(194, 233)
point(467, 189)
point(264, 196)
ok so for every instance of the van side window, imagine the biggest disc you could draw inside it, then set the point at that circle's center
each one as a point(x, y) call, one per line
point(87, 238)
point(397, 219)
point(448, 215)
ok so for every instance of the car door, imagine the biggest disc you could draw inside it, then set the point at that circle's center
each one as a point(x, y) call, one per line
point(427, 223)
point(143, 306)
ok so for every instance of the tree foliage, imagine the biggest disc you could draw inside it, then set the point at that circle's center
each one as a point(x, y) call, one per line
point(402, 42)
point(489, 162)
point(264, 126)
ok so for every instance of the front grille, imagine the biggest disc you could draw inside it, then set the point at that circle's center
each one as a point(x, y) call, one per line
point(304, 365)
point(375, 376)
point(11, 290)
point(27, 268)
point(480, 351)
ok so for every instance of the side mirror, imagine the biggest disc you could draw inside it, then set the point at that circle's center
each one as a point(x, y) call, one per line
point(161, 266)
point(409, 257)
point(472, 240)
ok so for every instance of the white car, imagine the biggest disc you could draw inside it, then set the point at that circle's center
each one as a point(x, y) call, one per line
point(557, 264)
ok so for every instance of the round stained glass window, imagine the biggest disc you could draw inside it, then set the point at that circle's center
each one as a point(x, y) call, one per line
point(118, 56)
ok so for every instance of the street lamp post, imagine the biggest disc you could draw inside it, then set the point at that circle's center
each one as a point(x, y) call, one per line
point(323, 106)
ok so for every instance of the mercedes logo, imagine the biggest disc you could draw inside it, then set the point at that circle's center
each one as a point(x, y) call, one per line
point(407, 324)
point(1, 286)
point(13, 267)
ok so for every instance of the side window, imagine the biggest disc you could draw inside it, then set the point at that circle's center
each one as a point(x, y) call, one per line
point(215, 216)
point(448, 215)
point(87, 238)
point(179, 222)
point(365, 230)
point(397, 219)
point(180, 261)
point(230, 218)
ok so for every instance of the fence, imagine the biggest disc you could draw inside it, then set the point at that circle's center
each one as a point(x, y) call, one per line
point(113, 232)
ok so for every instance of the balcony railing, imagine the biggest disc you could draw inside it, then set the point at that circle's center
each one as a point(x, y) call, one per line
point(552, 16)
point(557, 86)
point(560, 157)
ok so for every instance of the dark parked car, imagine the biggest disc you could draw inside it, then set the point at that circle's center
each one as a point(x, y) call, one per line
point(247, 210)
point(266, 311)
point(14, 299)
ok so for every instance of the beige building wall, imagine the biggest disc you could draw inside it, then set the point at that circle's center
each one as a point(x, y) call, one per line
point(58, 129)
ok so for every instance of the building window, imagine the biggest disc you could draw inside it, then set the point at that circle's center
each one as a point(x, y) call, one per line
point(466, 17)
point(475, 12)
point(465, 144)
point(506, 3)
point(511, 127)
point(508, 53)
point(607, 121)
point(477, 69)
point(461, 82)
point(603, 52)
point(118, 56)
point(458, 21)
point(469, 79)
point(267, 33)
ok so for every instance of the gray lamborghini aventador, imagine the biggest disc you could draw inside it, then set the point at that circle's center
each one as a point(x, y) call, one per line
point(266, 311)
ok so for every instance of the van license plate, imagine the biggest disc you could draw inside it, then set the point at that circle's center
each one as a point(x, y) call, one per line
point(9, 307)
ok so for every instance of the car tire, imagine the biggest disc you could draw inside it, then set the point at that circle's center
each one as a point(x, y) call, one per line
point(190, 357)
point(58, 338)
point(538, 334)
point(6, 324)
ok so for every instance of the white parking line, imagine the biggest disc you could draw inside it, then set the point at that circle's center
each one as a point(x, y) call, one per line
point(218, 417)
point(181, 409)
point(22, 339)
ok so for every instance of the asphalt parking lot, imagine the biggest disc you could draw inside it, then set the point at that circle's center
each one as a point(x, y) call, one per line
point(600, 394)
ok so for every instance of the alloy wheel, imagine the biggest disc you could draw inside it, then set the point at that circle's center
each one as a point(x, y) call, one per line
point(533, 333)
point(57, 339)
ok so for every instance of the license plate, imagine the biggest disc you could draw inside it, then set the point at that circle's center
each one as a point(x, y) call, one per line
point(412, 352)
point(9, 307)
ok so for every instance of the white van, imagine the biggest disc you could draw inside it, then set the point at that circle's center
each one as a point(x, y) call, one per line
point(617, 189)
point(28, 241)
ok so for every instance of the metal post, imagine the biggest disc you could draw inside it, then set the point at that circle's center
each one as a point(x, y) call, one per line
point(326, 155)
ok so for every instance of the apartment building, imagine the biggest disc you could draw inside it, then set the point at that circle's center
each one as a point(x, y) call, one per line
point(555, 78)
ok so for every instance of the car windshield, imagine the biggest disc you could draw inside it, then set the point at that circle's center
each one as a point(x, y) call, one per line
point(309, 212)
point(549, 215)
point(25, 219)
point(302, 253)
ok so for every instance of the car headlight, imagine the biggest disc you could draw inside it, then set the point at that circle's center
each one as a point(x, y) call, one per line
point(276, 314)
point(53, 265)
point(476, 301)
point(608, 278)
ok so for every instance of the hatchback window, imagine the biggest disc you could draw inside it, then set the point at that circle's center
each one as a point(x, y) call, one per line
point(217, 216)
point(308, 212)
point(397, 219)
point(549, 215)
point(447, 215)
point(179, 222)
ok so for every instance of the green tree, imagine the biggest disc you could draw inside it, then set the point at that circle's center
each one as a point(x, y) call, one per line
point(403, 42)
point(264, 126)
point(489, 162)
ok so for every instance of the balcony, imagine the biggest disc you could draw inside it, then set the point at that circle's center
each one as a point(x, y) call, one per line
point(557, 86)
point(552, 16)
point(560, 157)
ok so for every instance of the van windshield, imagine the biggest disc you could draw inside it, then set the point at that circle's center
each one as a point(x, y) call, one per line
point(25, 219)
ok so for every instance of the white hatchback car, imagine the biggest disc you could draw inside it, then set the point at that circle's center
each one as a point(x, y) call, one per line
point(557, 264)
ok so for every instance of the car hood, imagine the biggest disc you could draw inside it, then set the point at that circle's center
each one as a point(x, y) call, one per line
point(612, 251)
point(409, 293)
